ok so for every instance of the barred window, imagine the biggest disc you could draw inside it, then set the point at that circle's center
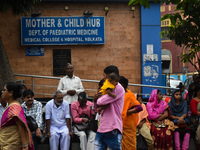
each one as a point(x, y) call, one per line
point(164, 36)
point(162, 8)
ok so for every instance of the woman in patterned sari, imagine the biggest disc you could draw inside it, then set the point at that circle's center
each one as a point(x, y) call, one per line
point(158, 111)
point(14, 132)
point(129, 117)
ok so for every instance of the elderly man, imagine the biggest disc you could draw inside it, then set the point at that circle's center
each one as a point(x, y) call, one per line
point(78, 109)
point(58, 122)
point(70, 85)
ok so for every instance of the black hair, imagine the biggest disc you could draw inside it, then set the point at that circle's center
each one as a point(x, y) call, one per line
point(15, 88)
point(82, 95)
point(101, 83)
point(158, 91)
point(197, 88)
point(177, 90)
point(180, 86)
point(28, 92)
point(110, 69)
point(124, 82)
point(114, 76)
point(68, 64)
point(139, 95)
point(195, 76)
point(0, 93)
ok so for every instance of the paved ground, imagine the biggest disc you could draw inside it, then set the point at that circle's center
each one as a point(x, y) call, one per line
point(192, 144)
point(75, 146)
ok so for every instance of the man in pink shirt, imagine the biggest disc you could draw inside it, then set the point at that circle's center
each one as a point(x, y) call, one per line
point(109, 133)
point(79, 108)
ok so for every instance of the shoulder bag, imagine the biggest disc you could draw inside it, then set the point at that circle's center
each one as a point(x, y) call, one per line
point(141, 143)
point(82, 126)
point(32, 124)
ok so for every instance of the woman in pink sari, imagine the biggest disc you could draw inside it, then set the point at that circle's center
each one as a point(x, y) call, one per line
point(14, 132)
point(158, 111)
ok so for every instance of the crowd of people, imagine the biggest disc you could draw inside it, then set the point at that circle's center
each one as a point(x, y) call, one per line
point(114, 120)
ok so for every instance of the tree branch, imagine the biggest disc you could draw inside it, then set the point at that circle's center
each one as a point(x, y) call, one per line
point(193, 65)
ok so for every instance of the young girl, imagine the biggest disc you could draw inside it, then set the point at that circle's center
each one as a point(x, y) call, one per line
point(183, 91)
point(178, 113)
point(108, 87)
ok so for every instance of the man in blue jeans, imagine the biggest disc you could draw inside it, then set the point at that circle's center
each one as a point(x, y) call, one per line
point(109, 134)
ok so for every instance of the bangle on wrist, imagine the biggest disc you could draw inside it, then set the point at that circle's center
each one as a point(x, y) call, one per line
point(24, 145)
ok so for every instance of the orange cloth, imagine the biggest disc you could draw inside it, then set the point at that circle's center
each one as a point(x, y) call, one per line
point(143, 115)
point(129, 122)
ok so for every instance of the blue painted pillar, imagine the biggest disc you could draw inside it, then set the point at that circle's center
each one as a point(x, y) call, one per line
point(151, 47)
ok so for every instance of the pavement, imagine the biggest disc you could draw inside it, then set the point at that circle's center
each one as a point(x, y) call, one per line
point(192, 145)
point(75, 146)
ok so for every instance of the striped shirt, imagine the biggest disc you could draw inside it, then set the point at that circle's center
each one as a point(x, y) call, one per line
point(35, 111)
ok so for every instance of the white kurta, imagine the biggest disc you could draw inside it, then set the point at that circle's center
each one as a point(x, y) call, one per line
point(58, 125)
point(67, 84)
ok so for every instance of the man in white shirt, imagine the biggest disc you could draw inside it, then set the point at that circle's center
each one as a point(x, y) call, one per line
point(70, 85)
point(58, 123)
point(3, 105)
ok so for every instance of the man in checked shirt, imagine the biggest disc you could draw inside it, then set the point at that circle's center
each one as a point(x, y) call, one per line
point(33, 108)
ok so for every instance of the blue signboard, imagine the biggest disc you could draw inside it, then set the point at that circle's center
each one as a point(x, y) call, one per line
point(151, 48)
point(62, 30)
point(35, 51)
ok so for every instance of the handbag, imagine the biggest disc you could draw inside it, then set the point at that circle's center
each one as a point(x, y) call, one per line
point(82, 126)
point(141, 143)
point(194, 122)
point(32, 124)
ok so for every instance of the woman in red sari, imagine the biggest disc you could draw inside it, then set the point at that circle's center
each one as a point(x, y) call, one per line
point(14, 132)
point(158, 111)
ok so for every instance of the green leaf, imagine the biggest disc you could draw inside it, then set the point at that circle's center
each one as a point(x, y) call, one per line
point(167, 2)
point(175, 1)
point(173, 19)
point(179, 6)
point(142, 2)
point(18, 6)
point(179, 17)
point(164, 17)
point(131, 2)
point(162, 33)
